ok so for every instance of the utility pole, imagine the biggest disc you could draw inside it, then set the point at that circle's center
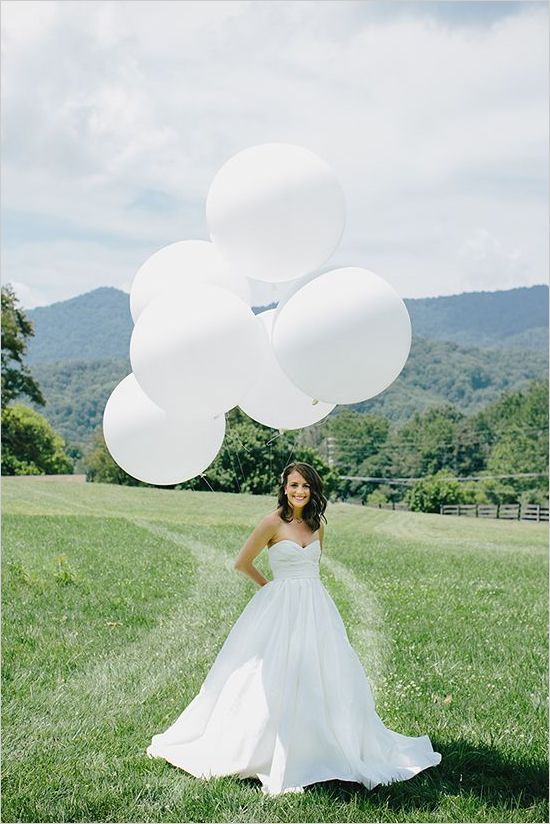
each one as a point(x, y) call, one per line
point(330, 443)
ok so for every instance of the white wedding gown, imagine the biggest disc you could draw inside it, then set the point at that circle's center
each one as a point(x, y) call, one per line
point(287, 698)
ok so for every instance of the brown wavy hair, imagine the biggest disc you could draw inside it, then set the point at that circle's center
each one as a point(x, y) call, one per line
point(315, 508)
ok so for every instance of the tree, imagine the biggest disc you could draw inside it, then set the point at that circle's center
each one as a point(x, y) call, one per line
point(518, 424)
point(382, 495)
point(428, 442)
point(424, 445)
point(16, 329)
point(30, 446)
point(252, 458)
point(356, 437)
point(246, 462)
point(428, 494)
point(101, 468)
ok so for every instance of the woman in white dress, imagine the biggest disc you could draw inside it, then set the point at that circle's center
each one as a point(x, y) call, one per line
point(287, 699)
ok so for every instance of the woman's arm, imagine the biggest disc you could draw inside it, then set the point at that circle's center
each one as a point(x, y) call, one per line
point(265, 530)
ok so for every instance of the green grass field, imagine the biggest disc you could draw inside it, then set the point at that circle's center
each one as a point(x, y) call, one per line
point(116, 601)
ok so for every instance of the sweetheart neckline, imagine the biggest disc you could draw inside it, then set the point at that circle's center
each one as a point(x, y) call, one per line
point(290, 541)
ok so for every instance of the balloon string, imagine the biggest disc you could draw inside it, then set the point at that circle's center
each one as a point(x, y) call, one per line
point(290, 456)
point(278, 435)
point(248, 451)
point(268, 443)
point(238, 459)
point(234, 470)
point(205, 479)
point(242, 444)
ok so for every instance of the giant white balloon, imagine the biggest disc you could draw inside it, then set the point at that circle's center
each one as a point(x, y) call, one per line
point(344, 337)
point(273, 399)
point(284, 291)
point(156, 446)
point(185, 263)
point(275, 211)
point(196, 349)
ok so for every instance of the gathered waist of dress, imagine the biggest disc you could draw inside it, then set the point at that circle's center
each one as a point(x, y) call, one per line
point(295, 573)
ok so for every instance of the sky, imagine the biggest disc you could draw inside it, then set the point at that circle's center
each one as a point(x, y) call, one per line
point(433, 115)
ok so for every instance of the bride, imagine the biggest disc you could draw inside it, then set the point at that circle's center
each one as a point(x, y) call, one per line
point(287, 699)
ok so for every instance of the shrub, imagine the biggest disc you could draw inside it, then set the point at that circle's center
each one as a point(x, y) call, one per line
point(30, 446)
point(434, 491)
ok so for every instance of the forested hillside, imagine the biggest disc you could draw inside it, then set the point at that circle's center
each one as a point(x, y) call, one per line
point(98, 324)
point(467, 377)
point(436, 372)
point(93, 326)
point(515, 318)
point(80, 351)
point(76, 394)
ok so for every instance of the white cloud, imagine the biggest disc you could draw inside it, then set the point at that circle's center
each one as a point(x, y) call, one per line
point(437, 131)
point(47, 271)
point(485, 257)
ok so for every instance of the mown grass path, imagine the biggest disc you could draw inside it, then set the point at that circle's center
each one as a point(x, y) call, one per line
point(116, 601)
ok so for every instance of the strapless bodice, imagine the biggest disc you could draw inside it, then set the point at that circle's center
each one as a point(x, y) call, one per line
point(288, 559)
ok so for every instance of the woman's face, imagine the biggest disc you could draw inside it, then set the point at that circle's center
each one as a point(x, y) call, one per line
point(297, 489)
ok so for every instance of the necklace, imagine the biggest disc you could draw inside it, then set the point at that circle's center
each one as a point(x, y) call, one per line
point(299, 520)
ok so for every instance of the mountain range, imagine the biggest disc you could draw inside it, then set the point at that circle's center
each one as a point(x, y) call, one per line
point(98, 325)
point(467, 350)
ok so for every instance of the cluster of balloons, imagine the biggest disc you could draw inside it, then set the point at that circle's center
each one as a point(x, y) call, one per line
point(275, 213)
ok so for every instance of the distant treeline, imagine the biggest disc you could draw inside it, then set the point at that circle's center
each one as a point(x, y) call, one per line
point(458, 426)
point(508, 438)
point(436, 373)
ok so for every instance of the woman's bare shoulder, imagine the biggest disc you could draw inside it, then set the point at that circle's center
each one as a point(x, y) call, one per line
point(273, 518)
point(268, 526)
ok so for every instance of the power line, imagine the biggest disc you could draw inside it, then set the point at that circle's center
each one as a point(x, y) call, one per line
point(463, 478)
point(481, 439)
point(470, 436)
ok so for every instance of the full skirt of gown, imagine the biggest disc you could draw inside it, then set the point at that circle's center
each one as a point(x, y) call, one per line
point(287, 699)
